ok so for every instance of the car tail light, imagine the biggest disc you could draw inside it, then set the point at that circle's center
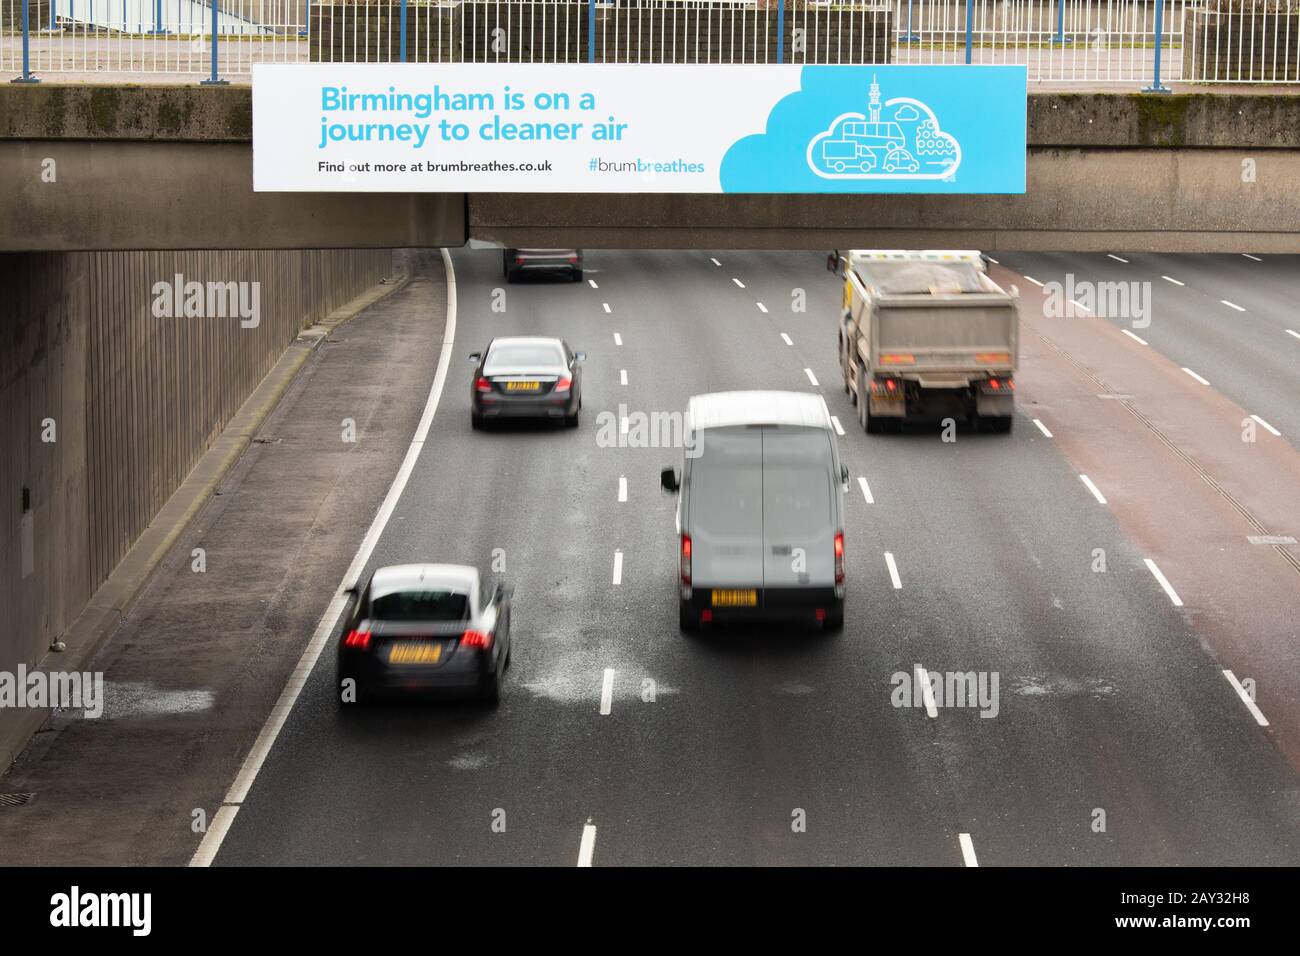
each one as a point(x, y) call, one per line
point(476, 639)
point(820, 614)
point(686, 559)
point(483, 385)
point(706, 616)
point(573, 259)
point(564, 384)
point(357, 639)
point(839, 557)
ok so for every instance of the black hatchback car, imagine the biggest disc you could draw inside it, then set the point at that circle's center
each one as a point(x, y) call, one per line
point(426, 628)
point(526, 377)
point(519, 262)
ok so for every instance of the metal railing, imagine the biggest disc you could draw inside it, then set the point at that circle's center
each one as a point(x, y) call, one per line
point(1114, 42)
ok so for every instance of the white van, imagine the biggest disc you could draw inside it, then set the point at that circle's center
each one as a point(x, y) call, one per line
point(760, 510)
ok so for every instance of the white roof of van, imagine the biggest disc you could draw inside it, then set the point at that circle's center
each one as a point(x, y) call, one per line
point(719, 409)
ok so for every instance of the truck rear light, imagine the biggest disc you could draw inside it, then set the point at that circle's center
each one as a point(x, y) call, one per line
point(686, 560)
point(993, 358)
point(897, 358)
point(839, 557)
point(483, 385)
point(889, 386)
point(358, 639)
point(477, 639)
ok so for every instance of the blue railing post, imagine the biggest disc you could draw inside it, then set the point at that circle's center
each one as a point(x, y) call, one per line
point(591, 31)
point(214, 80)
point(1060, 22)
point(909, 37)
point(53, 4)
point(970, 17)
point(402, 32)
point(27, 53)
point(157, 18)
point(306, 27)
point(780, 31)
point(1156, 86)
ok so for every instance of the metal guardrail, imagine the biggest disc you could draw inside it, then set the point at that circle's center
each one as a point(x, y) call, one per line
point(1139, 42)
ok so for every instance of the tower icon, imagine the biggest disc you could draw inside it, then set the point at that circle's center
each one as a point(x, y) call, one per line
point(874, 101)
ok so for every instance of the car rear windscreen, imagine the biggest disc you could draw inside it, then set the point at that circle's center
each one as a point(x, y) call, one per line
point(510, 358)
point(424, 605)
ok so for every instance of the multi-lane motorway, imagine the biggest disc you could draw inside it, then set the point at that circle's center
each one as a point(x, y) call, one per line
point(1110, 610)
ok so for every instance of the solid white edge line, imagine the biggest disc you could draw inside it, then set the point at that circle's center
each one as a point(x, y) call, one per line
point(811, 377)
point(738, 282)
point(893, 571)
point(1042, 428)
point(1195, 376)
point(1136, 338)
point(588, 845)
point(1173, 280)
point(622, 487)
point(1117, 258)
point(967, 849)
point(1096, 493)
point(839, 429)
point(607, 692)
point(238, 792)
point(1034, 281)
point(1164, 582)
point(866, 490)
point(1232, 305)
point(1266, 425)
point(786, 339)
point(1245, 698)
point(618, 567)
point(927, 692)
point(761, 307)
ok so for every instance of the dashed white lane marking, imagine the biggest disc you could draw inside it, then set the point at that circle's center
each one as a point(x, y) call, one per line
point(588, 846)
point(622, 376)
point(893, 571)
point(1232, 305)
point(1079, 305)
point(1261, 421)
point(1195, 376)
point(618, 567)
point(994, 261)
point(618, 339)
point(839, 429)
point(715, 262)
point(761, 307)
point(1246, 698)
point(1173, 280)
point(1042, 428)
point(1096, 493)
point(592, 283)
point(1249, 256)
point(1293, 332)
point(738, 282)
point(967, 849)
point(605, 306)
point(1034, 281)
point(866, 490)
point(1136, 338)
point(623, 424)
point(927, 691)
point(1117, 258)
point(811, 377)
point(607, 692)
point(786, 339)
point(1164, 582)
point(248, 771)
point(622, 487)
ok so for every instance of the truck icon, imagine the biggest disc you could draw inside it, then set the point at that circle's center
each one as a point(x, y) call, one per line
point(842, 154)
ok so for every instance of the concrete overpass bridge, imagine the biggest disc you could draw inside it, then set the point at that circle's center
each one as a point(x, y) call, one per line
point(169, 167)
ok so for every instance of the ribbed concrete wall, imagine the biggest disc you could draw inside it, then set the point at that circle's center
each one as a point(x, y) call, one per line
point(135, 400)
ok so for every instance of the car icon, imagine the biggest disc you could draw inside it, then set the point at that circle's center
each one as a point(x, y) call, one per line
point(901, 161)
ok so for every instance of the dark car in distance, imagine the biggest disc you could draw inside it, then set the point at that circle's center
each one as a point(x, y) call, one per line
point(526, 376)
point(435, 629)
point(517, 262)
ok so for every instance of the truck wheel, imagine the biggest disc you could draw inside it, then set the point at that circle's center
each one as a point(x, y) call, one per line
point(1000, 424)
point(875, 424)
point(687, 621)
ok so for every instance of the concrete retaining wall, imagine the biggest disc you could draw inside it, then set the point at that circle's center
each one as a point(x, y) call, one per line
point(104, 407)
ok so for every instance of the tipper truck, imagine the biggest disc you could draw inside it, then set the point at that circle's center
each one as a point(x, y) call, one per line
point(926, 335)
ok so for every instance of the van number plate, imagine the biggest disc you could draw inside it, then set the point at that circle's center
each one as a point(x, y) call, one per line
point(734, 598)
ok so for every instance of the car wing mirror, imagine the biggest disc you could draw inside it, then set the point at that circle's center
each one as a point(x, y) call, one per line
point(475, 357)
point(668, 480)
point(844, 475)
point(579, 356)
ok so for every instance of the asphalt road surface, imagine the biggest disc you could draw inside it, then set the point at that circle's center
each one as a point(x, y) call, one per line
point(1117, 736)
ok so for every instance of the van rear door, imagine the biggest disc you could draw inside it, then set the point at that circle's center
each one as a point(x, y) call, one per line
point(726, 508)
point(799, 521)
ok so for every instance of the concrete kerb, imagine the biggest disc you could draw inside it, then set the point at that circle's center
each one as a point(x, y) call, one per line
point(115, 597)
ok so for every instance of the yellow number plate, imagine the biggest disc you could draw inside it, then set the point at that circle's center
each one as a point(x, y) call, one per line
point(523, 386)
point(414, 653)
point(734, 598)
